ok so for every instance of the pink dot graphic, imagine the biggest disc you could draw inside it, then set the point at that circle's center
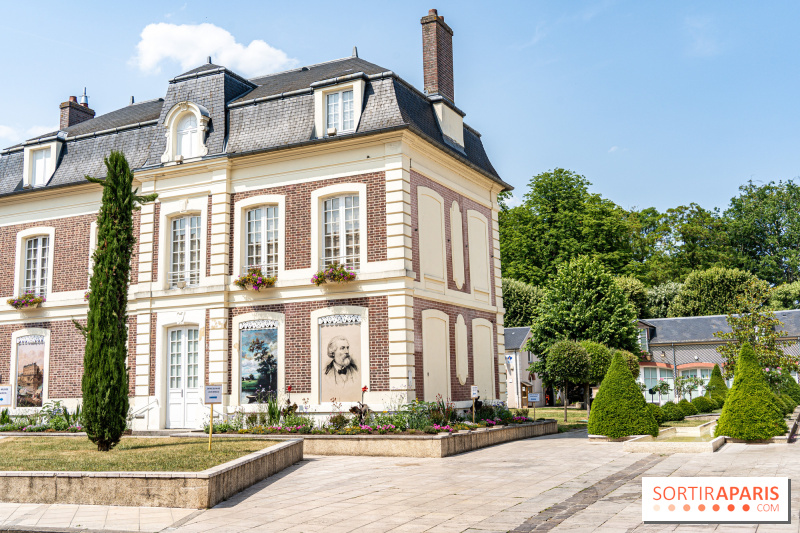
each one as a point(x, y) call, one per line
point(656, 507)
point(687, 507)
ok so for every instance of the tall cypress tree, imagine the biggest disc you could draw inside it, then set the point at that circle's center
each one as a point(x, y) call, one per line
point(105, 377)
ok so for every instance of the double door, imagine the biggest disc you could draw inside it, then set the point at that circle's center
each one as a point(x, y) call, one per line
point(183, 379)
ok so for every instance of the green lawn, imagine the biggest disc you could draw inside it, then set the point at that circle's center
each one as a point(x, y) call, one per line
point(576, 418)
point(131, 454)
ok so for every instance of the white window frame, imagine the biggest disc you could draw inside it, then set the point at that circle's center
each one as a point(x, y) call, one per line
point(340, 231)
point(20, 258)
point(321, 106)
point(29, 153)
point(335, 111)
point(240, 224)
point(171, 121)
point(318, 198)
point(264, 260)
point(188, 276)
point(176, 208)
point(644, 343)
point(185, 138)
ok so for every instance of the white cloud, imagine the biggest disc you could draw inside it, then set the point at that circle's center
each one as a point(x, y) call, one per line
point(189, 45)
point(613, 149)
point(39, 130)
point(538, 34)
point(10, 136)
point(513, 201)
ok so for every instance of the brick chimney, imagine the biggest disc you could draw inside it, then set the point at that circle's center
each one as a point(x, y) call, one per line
point(74, 113)
point(437, 55)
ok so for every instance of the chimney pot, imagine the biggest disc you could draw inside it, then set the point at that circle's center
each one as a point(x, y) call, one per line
point(73, 99)
point(73, 112)
point(437, 55)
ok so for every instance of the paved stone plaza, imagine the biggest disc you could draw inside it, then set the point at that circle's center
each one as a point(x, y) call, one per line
point(555, 483)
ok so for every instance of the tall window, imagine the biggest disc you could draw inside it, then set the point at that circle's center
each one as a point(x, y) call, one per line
point(643, 340)
point(39, 160)
point(340, 111)
point(341, 231)
point(262, 239)
point(650, 379)
point(186, 136)
point(36, 267)
point(185, 252)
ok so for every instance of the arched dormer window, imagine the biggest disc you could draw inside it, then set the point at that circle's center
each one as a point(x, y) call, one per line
point(186, 124)
point(186, 133)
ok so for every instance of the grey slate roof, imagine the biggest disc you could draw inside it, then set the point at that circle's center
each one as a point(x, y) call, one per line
point(705, 353)
point(301, 78)
point(702, 328)
point(514, 338)
point(238, 125)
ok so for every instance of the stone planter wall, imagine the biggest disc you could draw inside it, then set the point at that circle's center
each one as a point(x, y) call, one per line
point(193, 490)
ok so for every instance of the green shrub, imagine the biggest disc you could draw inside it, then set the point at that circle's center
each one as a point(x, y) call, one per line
point(750, 412)
point(620, 409)
point(713, 402)
point(789, 401)
point(781, 404)
point(703, 404)
point(655, 410)
point(631, 359)
point(671, 412)
point(789, 386)
point(716, 385)
point(687, 408)
point(720, 401)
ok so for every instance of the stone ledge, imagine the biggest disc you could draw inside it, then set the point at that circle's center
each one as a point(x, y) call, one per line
point(192, 490)
point(440, 445)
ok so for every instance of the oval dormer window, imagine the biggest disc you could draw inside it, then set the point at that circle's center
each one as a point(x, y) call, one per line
point(187, 134)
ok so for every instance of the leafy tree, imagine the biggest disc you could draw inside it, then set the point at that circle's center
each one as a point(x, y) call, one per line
point(785, 297)
point(764, 229)
point(697, 240)
point(712, 292)
point(750, 412)
point(521, 301)
point(558, 221)
point(599, 361)
point(753, 324)
point(567, 363)
point(583, 302)
point(636, 294)
point(620, 408)
point(105, 378)
point(660, 297)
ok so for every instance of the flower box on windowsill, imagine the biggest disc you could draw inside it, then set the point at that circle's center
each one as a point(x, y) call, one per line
point(333, 273)
point(26, 301)
point(255, 279)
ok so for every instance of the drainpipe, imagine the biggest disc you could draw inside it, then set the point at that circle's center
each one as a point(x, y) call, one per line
point(675, 373)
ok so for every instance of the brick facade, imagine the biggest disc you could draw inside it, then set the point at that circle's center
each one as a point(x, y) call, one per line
point(70, 253)
point(449, 196)
point(298, 217)
point(459, 392)
point(298, 339)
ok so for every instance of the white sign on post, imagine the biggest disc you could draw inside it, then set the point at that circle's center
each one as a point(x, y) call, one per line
point(213, 394)
point(533, 397)
point(5, 395)
point(474, 392)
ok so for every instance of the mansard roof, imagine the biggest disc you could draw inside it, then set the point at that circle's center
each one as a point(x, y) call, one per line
point(266, 113)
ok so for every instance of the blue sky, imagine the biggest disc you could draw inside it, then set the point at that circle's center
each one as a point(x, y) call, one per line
point(657, 104)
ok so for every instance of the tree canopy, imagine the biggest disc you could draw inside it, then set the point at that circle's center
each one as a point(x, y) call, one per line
point(521, 301)
point(712, 292)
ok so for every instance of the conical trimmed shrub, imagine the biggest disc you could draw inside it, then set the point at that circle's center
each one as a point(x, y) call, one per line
point(620, 409)
point(716, 385)
point(750, 412)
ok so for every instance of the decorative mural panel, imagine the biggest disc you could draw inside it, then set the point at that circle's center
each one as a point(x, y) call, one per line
point(340, 358)
point(30, 370)
point(259, 360)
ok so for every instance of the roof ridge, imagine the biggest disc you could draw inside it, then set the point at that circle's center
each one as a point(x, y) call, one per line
point(300, 69)
point(137, 103)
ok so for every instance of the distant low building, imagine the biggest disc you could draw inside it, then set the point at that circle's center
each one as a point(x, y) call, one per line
point(688, 345)
point(520, 382)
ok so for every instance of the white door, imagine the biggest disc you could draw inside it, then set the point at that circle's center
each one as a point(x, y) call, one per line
point(184, 408)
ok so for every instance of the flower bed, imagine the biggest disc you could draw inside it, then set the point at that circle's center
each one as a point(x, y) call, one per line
point(26, 301)
point(255, 279)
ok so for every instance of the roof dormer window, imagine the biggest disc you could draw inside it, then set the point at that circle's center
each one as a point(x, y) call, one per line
point(40, 161)
point(340, 111)
point(186, 125)
point(186, 136)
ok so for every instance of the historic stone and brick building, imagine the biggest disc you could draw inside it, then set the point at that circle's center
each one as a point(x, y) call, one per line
point(339, 162)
